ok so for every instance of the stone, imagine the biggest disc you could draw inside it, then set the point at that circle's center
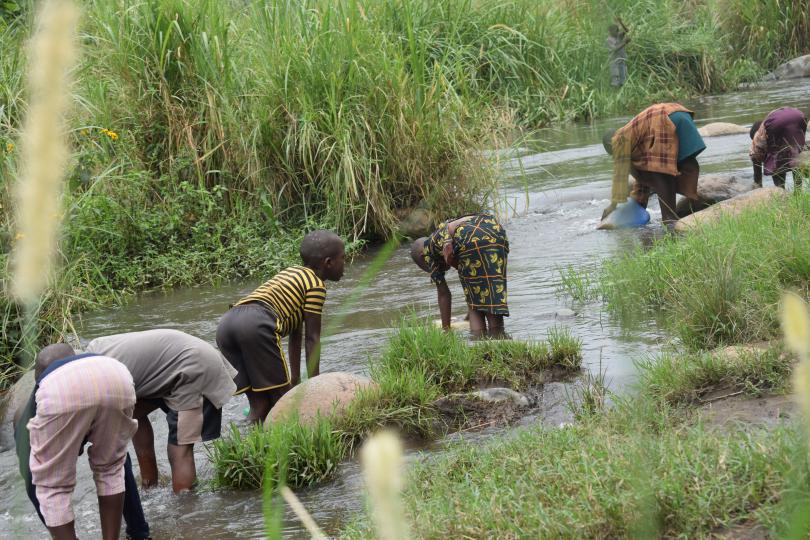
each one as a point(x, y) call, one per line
point(734, 352)
point(794, 69)
point(328, 394)
point(415, 222)
point(712, 189)
point(731, 207)
point(565, 313)
point(456, 323)
point(716, 129)
point(15, 398)
point(500, 395)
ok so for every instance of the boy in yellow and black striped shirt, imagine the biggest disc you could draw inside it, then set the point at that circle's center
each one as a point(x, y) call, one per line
point(249, 334)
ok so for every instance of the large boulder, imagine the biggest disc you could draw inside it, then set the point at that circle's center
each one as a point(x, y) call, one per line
point(15, 398)
point(712, 189)
point(715, 129)
point(795, 69)
point(327, 394)
point(732, 207)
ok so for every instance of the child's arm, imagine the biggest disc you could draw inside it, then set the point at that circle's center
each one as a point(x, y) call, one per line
point(313, 343)
point(445, 303)
point(295, 356)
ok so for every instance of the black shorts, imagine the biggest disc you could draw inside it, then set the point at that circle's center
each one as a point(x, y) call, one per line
point(194, 425)
point(247, 336)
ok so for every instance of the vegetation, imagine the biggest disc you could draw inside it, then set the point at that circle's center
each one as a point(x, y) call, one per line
point(420, 364)
point(208, 135)
point(720, 284)
point(647, 467)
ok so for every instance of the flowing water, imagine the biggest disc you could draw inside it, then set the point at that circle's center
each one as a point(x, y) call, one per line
point(555, 190)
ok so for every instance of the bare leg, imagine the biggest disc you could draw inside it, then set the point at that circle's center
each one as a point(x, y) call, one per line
point(495, 324)
point(110, 507)
point(144, 443)
point(63, 532)
point(184, 471)
point(478, 324)
point(779, 179)
point(260, 405)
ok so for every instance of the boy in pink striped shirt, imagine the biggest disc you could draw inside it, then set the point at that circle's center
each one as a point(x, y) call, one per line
point(80, 398)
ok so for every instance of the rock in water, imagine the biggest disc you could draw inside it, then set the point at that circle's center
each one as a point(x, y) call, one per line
point(327, 394)
point(15, 398)
point(715, 129)
point(712, 189)
point(732, 207)
point(565, 313)
point(415, 222)
point(498, 395)
point(795, 69)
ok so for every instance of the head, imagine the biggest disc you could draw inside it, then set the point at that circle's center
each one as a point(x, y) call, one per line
point(613, 30)
point(754, 128)
point(51, 354)
point(417, 253)
point(607, 141)
point(324, 252)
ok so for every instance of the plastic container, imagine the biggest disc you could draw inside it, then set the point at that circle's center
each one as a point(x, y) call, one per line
point(626, 215)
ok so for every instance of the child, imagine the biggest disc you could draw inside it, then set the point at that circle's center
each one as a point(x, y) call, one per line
point(475, 245)
point(249, 334)
point(186, 378)
point(615, 43)
point(78, 399)
point(776, 143)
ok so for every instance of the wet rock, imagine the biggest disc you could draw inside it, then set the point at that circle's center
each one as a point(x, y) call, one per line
point(716, 129)
point(712, 189)
point(731, 207)
point(415, 222)
point(498, 395)
point(327, 394)
point(15, 398)
point(565, 313)
point(794, 69)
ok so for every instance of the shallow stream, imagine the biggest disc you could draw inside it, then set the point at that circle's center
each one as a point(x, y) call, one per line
point(556, 190)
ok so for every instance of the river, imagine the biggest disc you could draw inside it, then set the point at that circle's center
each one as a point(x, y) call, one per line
point(555, 190)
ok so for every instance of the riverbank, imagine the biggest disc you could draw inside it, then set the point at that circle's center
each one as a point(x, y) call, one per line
point(205, 141)
point(657, 463)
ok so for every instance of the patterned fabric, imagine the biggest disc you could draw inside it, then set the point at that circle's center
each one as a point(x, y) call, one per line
point(648, 143)
point(289, 294)
point(90, 398)
point(779, 140)
point(481, 248)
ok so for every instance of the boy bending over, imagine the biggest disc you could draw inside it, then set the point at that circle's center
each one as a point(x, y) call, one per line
point(249, 334)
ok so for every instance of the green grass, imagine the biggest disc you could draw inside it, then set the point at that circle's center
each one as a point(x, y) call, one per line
point(641, 468)
point(720, 284)
point(306, 453)
point(420, 364)
point(685, 378)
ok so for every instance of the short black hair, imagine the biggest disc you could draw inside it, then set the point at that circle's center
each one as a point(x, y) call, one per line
point(318, 245)
point(51, 354)
point(607, 141)
point(754, 128)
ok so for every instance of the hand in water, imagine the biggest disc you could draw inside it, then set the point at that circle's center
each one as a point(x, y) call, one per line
point(609, 210)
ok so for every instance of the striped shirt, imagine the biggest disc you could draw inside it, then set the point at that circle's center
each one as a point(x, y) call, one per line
point(289, 294)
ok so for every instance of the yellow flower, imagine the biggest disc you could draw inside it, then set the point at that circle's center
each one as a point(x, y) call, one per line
point(111, 134)
point(19, 236)
point(9, 147)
